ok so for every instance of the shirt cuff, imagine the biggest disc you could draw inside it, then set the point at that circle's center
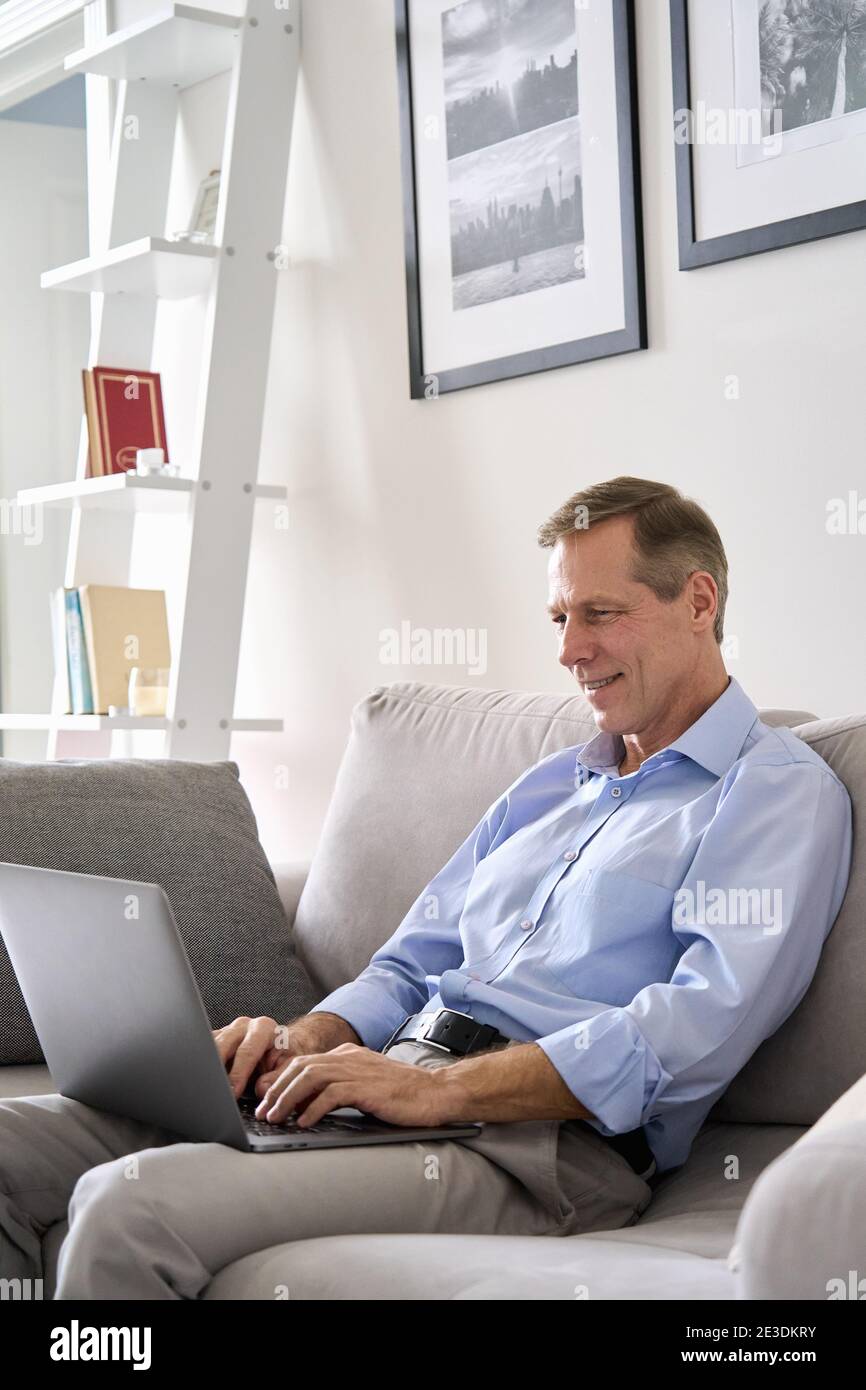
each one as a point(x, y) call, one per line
point(372, 1013)
point(608, 1066)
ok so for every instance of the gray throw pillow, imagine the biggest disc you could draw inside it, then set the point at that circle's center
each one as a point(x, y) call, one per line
point(188, 827)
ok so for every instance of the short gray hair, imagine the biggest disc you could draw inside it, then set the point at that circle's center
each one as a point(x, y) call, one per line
point(673, 535)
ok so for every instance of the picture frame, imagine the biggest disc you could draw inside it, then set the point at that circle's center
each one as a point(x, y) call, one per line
point(521, 188)
point(204, 213)
point(780, 103)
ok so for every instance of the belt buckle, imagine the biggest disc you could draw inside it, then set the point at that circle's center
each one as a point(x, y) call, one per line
point(442, 1010)
point(420, 1037)
point(428, 1028)
point(425, 1031)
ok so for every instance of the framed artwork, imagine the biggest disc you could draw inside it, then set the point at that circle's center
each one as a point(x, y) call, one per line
point(521, 187)
point(769, 124)
point(204, 214)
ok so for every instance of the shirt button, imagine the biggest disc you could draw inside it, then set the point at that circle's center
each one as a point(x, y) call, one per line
point(527, 925)
point(569, 856)
point(616, 791)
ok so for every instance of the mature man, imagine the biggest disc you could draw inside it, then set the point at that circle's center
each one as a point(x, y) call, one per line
point(610, 945)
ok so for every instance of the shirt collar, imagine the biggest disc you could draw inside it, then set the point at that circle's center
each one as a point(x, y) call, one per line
point(714, 741)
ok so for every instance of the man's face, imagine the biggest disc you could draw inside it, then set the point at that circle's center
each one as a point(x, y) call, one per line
point(612, 627)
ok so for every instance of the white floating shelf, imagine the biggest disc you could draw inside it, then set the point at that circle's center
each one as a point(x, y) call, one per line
point(100, 723)
point(126, 492)
point(175, 47)
point(118, 491)
point(152, 266)
point(79, 723)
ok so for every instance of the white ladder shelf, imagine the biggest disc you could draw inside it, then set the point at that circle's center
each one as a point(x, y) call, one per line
point(138, 72)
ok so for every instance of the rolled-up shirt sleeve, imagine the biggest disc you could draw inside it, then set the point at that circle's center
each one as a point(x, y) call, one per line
point(426, 944)
point(779, 851)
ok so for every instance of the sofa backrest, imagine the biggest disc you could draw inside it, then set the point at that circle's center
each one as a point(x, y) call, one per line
point(820, 1050)
point(422, 765)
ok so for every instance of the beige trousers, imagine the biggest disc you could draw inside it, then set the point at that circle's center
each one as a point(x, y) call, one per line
point(101, 1207)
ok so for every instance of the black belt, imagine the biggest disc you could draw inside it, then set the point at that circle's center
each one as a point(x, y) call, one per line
point(462, 1035)
point(448, 1029)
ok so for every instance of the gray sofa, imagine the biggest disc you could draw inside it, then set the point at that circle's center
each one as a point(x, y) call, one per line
point(771, 1203)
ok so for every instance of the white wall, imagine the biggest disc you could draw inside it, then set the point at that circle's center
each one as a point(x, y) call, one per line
point(43, 344)
point(426, 511)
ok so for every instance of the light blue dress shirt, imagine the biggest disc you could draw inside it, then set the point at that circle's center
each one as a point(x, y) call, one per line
point(647, 931)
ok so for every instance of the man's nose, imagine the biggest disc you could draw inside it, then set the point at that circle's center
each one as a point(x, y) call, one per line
point(576, 647)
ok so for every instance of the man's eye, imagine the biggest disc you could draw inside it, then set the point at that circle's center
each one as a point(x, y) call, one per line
point(600, 612)
point(559, 620)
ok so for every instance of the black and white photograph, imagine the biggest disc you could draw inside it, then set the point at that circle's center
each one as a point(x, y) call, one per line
point(513, 137)
point(809, 57)
point(775, 96)
point(520, 187)
point(507, 69)
point(528, 240)
point(812, 55)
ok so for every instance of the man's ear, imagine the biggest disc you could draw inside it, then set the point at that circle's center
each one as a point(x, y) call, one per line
point(704, 599)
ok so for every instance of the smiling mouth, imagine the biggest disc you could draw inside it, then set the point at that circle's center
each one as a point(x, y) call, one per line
point(600, 685)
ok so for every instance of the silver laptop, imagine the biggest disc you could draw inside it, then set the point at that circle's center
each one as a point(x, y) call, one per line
point(104, 973)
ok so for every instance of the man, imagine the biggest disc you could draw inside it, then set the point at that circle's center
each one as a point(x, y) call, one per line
point(623, 928)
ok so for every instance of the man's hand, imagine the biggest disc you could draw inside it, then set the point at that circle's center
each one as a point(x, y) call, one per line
point(261, 1046)
point(511, 1083)
point(398, 1092)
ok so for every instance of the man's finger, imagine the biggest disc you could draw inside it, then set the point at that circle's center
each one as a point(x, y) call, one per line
point(264, 1081)
point(289, 1102)
point(275, 1059)
point(297, 1082)
point(331, 1098)
point(227, 1038)
point(256, 1042)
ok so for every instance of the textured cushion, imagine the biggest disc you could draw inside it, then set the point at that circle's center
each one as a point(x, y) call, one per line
point(188, 827)
point(422, 766)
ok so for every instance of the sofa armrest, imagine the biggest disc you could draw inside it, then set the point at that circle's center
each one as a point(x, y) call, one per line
point(290, 878)
point(802, 1230)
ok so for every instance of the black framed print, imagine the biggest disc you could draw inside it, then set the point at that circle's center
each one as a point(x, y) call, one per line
point(521, 187)
point(769, 124)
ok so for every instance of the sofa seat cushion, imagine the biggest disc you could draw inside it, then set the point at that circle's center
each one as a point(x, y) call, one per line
point(709, 1190)
point(428, 1269)
point(678, 1250)
point(186, 826)
point(25, 1081)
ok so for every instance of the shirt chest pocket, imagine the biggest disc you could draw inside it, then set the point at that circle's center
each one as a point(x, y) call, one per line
point(607, 934)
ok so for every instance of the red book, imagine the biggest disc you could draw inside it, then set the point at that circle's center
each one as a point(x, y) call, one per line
point(129, 416)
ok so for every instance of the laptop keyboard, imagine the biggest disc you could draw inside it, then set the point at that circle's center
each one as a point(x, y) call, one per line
point(329, 1124)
